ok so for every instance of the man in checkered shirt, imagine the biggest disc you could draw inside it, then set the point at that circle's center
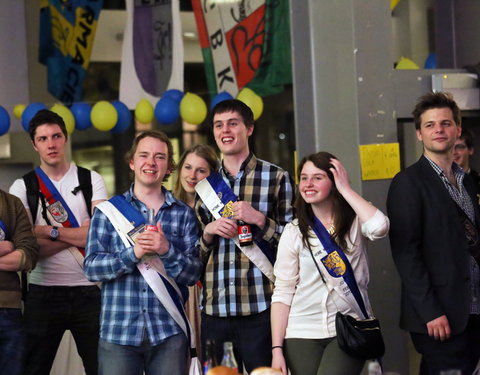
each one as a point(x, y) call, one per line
point(236, 294)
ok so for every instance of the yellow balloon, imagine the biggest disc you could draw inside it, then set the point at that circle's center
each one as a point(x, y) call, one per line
point(144, 111)
point(406, 64)
point(66, 115)
point(393, 4)
point(104, 116)
point(193, 109)
point(251, 99)
point(18, 110)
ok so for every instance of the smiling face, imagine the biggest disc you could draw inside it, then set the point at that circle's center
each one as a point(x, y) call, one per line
point(194, 169)
point(231, 133)
point(438, 131)
point(315, 186)
point(150, 162)
point(49, 142)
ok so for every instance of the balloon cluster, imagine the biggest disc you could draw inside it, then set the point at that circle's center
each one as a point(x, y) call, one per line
point(116, 117)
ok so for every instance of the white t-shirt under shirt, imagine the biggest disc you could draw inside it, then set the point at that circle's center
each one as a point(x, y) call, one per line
point(313, 305)
point(63, 269)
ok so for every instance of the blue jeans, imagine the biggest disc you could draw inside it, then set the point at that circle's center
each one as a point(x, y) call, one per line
point(170, 357)
point(49, 312)
point(12, 341)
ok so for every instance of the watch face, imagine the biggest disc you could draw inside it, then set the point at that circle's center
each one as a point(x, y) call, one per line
point(54, 233)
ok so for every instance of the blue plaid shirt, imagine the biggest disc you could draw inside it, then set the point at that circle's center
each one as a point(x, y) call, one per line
point(131, 313)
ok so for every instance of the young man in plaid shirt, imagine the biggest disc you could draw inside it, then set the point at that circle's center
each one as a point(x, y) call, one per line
point(137, 333)
point(236, 294)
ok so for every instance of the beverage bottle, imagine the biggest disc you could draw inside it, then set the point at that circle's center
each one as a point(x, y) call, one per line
point(374, 368)
point(210, 356)
point(245, 236)
point(228, 359)
point(151, 224)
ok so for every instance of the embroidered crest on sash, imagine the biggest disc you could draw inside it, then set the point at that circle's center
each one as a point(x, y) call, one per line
point(2, 234)
point(334, 264)
point(227, 210)
point(58, 212)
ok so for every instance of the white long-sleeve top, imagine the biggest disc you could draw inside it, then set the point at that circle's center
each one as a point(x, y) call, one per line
point(313, 305)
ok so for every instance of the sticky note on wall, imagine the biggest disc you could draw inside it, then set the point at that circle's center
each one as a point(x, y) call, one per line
point(379, 161)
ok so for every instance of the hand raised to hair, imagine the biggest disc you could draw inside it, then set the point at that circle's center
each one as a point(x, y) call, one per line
point(340, 175)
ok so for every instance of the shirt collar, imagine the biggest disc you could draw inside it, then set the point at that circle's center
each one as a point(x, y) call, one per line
point(456, 169)
point(247, 165)
point(169, 198)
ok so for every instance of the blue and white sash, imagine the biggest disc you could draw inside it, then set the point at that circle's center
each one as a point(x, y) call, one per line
point(125, 218)
point(4, 234)
point(339, 268)
point(218, 198)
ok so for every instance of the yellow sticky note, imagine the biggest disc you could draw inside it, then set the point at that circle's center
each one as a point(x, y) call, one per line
point(379, 161)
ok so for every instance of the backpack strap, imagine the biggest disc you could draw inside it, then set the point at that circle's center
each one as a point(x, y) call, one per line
point(33, 193)
point(85, 185)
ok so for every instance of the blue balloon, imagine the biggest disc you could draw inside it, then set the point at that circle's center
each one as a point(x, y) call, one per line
point(167, 110)
point(431, 61)
point(124, 117)
point(220, 97)
point(4, 121)
point(174, 94)
point(81, 112)
point(30, 111)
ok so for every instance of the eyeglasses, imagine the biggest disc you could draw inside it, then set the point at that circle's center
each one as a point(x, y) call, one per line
point(460, 147)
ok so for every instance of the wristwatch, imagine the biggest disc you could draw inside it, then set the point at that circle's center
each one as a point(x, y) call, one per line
point(54, 233)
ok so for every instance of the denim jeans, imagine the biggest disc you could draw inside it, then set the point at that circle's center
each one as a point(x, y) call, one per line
point(49, 312)
point(251, 337)
point(170, 357)
point(12, 341)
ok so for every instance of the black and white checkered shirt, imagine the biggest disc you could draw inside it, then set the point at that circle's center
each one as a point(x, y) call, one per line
point(463, 200)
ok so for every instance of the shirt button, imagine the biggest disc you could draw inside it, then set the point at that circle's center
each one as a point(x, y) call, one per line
point(144, 310)
point(231, 282)
point(144, 290)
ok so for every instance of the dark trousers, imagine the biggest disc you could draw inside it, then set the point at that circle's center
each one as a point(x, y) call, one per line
point(12, 342)
point(459, 352)
point(251, 337)
point(49, 312)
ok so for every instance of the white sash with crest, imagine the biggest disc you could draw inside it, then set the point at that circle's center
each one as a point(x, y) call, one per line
point(217, 208)
point(151, 268)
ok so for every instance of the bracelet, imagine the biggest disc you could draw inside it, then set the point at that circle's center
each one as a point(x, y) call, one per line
point(277, 346)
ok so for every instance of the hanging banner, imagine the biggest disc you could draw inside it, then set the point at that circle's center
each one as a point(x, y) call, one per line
point(67, 31)
point(245, 43)
point(152, 53)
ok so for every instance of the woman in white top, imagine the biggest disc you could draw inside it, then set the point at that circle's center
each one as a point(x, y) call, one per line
point(303, 305)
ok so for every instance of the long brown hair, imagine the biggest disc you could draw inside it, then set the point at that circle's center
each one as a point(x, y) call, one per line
point(343, 214)
point(205, 152)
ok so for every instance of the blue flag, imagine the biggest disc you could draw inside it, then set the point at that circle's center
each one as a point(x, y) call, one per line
point(67, 31)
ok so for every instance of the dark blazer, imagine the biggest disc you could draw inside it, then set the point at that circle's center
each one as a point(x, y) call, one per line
point(429, 248)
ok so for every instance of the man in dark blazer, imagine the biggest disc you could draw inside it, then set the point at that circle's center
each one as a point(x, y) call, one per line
point(434, 219)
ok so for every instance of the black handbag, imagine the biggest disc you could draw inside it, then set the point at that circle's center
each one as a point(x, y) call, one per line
point(361, 339)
